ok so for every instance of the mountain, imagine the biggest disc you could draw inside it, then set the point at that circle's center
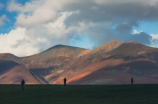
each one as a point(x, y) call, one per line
point(51, 60)
point(12, 70)
point(117, 66)
point(112, 63)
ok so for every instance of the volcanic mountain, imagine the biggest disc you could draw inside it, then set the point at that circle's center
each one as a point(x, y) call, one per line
point(112, 63)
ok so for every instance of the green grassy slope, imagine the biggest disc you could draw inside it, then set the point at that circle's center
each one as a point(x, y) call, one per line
point(79, 94)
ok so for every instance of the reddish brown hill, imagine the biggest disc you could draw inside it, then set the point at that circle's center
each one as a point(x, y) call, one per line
point(57, 57)
point(12, 71)
point(130, 59)
point(77, 69)
point(112, 63)
point(133, 49)
point(115, 66)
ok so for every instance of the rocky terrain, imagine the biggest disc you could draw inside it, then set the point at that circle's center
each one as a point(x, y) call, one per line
point(112, 63)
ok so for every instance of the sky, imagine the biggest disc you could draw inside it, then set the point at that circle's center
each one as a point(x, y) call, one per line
point(31, 26)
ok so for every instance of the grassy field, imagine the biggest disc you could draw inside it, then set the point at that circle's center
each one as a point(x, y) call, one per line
point(79, 94)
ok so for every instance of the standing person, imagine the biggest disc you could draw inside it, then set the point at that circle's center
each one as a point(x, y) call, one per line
point(22, 84)
point(65, 81)
point(131, 80)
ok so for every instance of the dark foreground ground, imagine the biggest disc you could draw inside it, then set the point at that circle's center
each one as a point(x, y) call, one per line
point(79, 94)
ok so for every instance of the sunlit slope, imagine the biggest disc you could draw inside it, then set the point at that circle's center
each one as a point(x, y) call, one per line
point(79, 68)
point(134, 49)
point(113, 63)
point(130, 59)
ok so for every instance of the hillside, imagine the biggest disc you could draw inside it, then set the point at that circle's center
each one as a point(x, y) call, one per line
point(112, 63)
point(117, 66)
point(114, 66)
point(13, 70)
point(57, 57)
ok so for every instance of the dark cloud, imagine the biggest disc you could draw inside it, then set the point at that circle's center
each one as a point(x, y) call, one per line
point(142, 37)
point(125, 15)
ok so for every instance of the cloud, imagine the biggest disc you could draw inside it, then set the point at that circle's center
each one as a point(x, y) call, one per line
point(10, 43)
point(2, 19)
point(154, 40)
point(45, 23)
point(154, 36)
point(123, 14)
point(33, 13)
point(37, 12)
point(23, 41)
point(103, 2)
point(136, 32)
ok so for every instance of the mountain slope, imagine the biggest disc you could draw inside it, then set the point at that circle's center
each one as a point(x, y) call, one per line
point(77, 69)
point(57, 57)
point(112, 63)
point(13, 70)
point(128, 60)
point(117, 65)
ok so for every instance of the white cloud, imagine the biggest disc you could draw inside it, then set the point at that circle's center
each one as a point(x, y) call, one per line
point(2, 18)
point(136, 32)
point(37, 12)
point(33, 13)
point(23, 41)
point(154, 36)
point(28, 7)
point(10, 43)
point(154, 40)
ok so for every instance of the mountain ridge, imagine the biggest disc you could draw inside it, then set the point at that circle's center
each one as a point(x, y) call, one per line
point(114, 62)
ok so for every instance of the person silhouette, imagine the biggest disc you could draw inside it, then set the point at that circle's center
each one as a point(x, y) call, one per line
point(22, 84)
point(65, 81)
point(131, 80)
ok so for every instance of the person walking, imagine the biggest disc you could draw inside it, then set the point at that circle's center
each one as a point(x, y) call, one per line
point(131, 80)
point(22, 84)
point(65, 81)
